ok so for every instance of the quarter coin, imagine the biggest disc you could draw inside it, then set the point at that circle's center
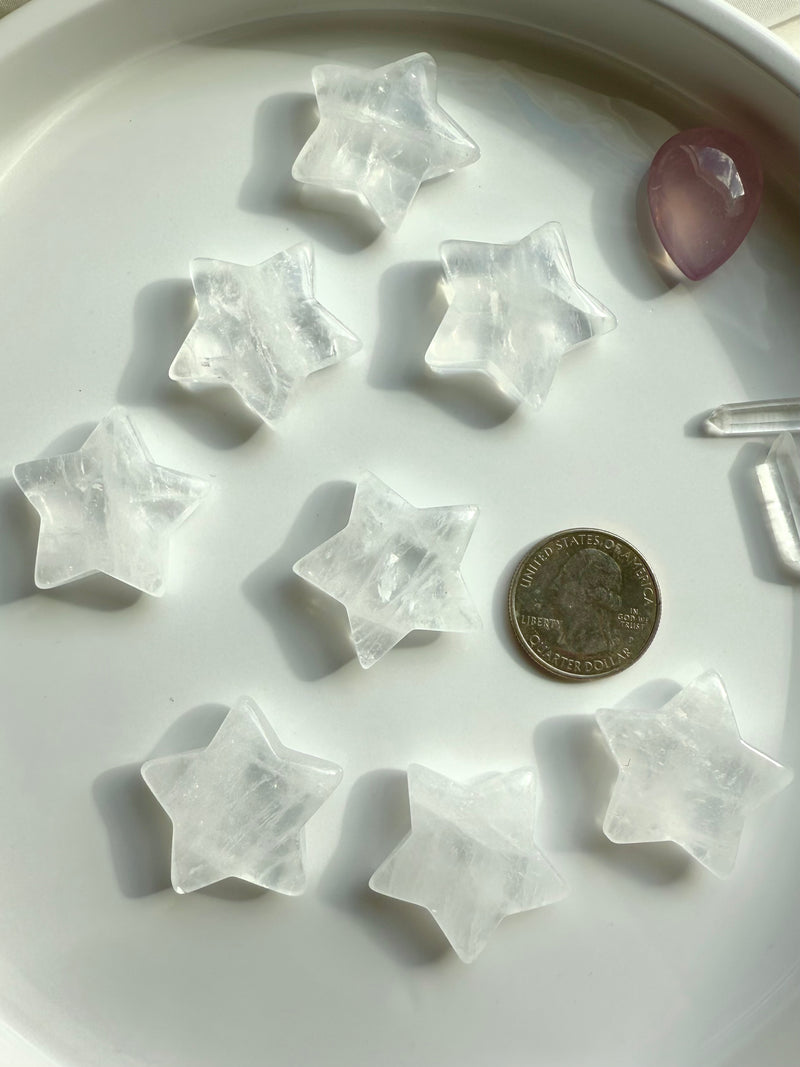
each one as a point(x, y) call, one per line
point(584, 604)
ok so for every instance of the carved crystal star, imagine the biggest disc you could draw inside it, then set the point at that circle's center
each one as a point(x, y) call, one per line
point(395, 568)
point(239, 807)
point(107, 508)
point(470, 858)
point(686, 775)
point(260, 330)
point(381, 134)
point(515, 310)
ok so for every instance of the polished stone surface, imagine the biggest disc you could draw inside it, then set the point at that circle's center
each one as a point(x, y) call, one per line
point(779, 477)
point(686, 775)
point(515, 310)
point(381, 134)
point(754, 418)
point(395, 568)
point(107, 508)
point(260, 330)
point(471, 858)
point(239, 806)
point(704, 189)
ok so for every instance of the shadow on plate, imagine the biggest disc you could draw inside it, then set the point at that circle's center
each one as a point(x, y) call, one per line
point(139, 830)
point(577, 774)
point(743, 480)
point(163, 313)
point(283, 124)
point(695, 425)
point(502, 625)
point(376, 819)
point(96, 592)
point(310, 627)
point(751, 304)
point(411, 304)
point(19, 530)
point(791, 740)
point(764, 560)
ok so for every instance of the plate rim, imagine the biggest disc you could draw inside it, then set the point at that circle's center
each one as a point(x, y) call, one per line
point(723, 21)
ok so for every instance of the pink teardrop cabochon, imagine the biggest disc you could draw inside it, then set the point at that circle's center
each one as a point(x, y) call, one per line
point(704, 190)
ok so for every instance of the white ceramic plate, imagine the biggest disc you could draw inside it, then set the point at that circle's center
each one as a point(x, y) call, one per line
point(134, 137)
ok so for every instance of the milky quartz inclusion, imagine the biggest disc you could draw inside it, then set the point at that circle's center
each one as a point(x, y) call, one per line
point(686, 775)
point(107, 508)
point(260, 330)
point(395, 568)
point(239, 806)
point(704, 190)
point(381, 134)
point(779, 477)
point(514, 311)
point(470, 858)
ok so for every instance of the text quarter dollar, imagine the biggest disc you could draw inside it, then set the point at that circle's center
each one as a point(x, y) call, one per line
point(584, 604)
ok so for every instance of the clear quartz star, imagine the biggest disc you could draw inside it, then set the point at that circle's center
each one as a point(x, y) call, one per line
point(260, 330)
point(381, 134)
point(239, 807)
point(395, 568)
point(686, 775)
point(107, 508)
point(470, 857)
point(515, 310)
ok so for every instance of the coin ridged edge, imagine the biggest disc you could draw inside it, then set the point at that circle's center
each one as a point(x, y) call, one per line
point(550, 671)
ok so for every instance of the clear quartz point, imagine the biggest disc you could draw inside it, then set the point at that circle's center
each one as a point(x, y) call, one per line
point(779, 478)
point(754, 418)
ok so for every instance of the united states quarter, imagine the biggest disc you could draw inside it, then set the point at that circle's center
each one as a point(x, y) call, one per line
point(584, 604)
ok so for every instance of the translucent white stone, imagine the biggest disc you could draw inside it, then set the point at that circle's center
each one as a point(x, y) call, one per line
point(779, 477)
point(515, 309)
point(107, 508)
point(239, 807)
point(470, 858)
point(685, 775)
point(260, 330)
point(395, 568)
point(754, 417)
point(381, 134)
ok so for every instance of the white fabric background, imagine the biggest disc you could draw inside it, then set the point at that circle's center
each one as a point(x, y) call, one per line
point(770, 12)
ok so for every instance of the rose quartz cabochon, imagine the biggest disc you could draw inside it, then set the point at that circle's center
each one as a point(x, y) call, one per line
point(704, 191)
